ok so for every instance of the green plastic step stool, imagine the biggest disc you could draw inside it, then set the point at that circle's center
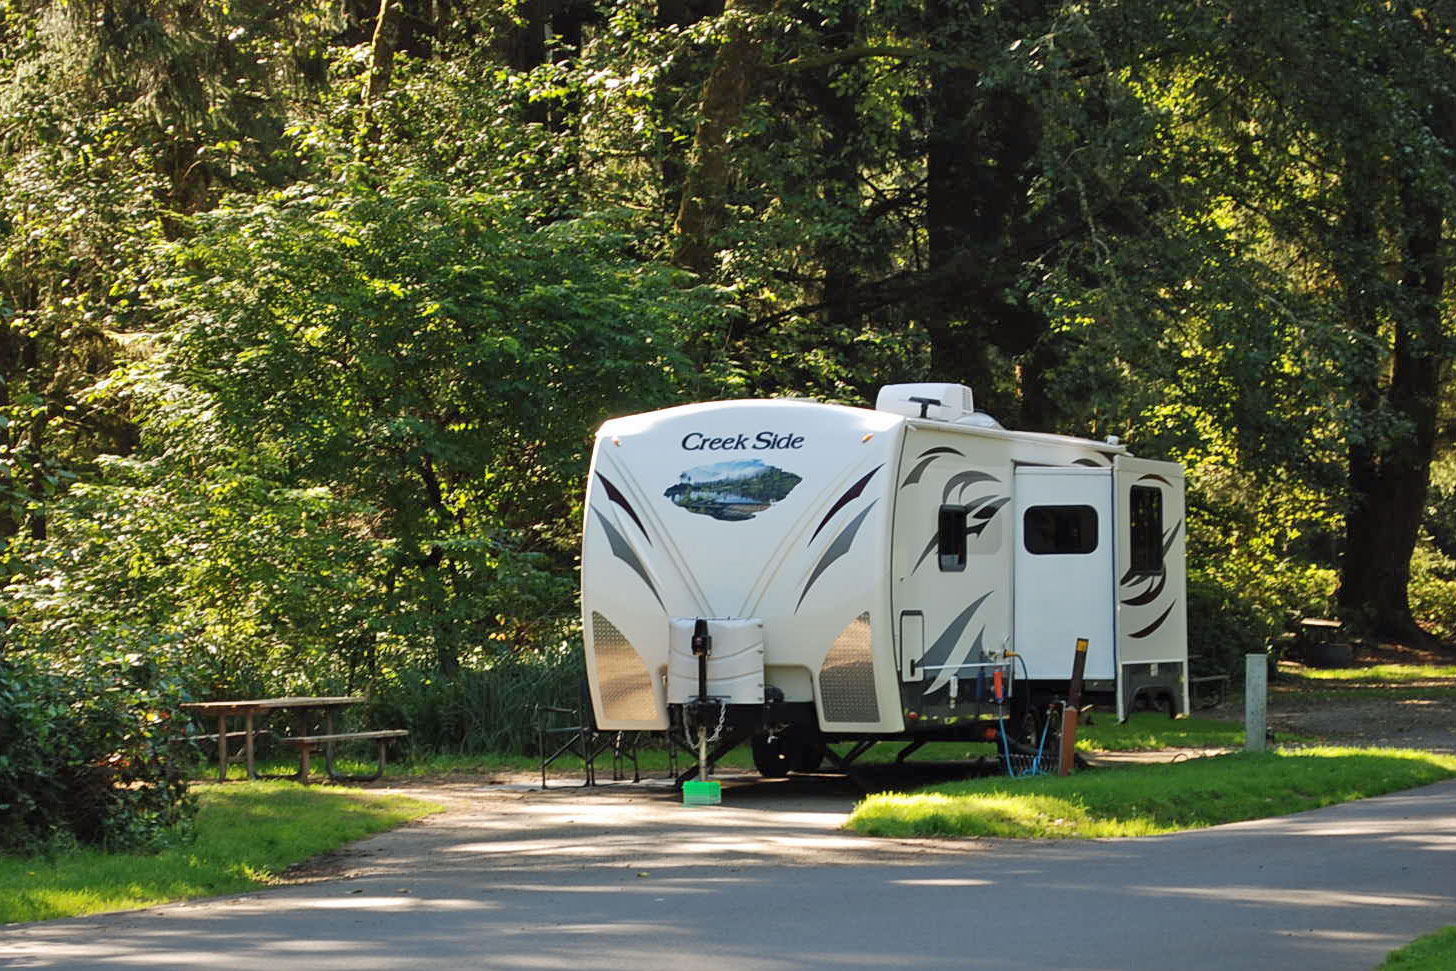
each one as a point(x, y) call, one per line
point(702, 793)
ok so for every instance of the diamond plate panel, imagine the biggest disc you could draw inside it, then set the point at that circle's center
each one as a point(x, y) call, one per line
point(847, 679)
point(626, 686)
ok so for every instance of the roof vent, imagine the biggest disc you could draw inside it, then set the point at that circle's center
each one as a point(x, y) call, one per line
point(938, 402)
point(980, 420)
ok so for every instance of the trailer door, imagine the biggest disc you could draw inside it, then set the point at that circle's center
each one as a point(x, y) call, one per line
point(1152, 622)
point(1063, 562)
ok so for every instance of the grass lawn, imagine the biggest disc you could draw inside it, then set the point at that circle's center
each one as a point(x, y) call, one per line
point(1147, 731)
point(1143, 731)
point(652, 761)
point(1143, 800)
point(1381, 674)
point(1385, 682)
point(247, 834)
point(1434, 952)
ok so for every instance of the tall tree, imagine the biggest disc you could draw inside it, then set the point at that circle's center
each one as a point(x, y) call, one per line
point(121, 121)
point(1362, 135)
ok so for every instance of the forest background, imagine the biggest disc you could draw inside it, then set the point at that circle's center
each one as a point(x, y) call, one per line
point(308, 312)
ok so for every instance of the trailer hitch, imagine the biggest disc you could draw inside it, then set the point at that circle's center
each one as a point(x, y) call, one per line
point(702, 646)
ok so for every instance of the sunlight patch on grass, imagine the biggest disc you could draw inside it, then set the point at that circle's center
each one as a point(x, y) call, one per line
point(1383, 673)
point(995, 813)
point(247, 834)
point(1325, 691)
point(1142, 800)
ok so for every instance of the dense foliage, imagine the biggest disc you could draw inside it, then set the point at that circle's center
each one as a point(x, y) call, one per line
point(88, 752)
point(306, 320)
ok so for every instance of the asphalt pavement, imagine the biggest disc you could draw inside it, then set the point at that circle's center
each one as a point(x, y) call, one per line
point(627, 878)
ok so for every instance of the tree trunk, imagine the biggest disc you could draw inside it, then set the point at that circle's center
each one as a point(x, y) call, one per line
point(981, 146)
point(672, 161)
point(9, 489)
point(381, 73)
point(839, 185)
point(1388, 476)
point(522, 46)
point(701, 213)
point(956, 352)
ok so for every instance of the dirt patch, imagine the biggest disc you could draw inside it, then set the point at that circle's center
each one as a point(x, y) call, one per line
point(1391, 718)
point(1418, 714)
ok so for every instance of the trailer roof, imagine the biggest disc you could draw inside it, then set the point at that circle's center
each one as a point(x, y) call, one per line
point(1011, 433)
point(645, 420)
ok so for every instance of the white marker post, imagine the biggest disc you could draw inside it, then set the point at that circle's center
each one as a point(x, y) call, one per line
point(1256, 701)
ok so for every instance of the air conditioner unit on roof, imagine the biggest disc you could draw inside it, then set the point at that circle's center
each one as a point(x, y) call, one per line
point(940, 402)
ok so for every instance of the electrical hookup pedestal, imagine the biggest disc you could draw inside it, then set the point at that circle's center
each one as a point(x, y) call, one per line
point(702, 711)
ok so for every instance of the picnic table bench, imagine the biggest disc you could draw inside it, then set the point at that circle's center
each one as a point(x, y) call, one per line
point(1208, 691)
point(307, 744)
point(305, 710)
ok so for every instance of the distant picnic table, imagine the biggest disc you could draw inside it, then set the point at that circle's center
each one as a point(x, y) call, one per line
point(305, 711)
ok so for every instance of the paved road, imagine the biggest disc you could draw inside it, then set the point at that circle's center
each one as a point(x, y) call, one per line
point(628, 879)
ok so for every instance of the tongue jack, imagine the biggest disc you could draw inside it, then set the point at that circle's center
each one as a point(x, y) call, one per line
point(702, 646)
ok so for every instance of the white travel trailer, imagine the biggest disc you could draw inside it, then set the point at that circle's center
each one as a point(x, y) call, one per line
point(913, 572)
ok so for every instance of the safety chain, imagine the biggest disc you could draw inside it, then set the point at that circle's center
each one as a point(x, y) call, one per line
point(717, 732)
point(722, 717)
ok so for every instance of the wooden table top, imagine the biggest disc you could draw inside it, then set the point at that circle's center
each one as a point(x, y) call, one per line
point(268, 704)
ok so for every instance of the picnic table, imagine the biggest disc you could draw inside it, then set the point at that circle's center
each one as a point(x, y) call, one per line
point(304, 711)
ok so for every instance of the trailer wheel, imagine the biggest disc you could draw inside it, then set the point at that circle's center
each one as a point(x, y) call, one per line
point(1028, 729)
point(771, 756)
point(1025, 722)
point(811, 752)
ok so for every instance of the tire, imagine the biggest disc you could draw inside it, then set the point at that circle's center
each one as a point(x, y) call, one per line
point(771, 757)
point(810, 753)
point(1024, 726)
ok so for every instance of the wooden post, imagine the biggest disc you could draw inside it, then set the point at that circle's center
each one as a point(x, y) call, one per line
point(222, 748)
point(1256, 701)
point(1074, 702)
point(248, 743)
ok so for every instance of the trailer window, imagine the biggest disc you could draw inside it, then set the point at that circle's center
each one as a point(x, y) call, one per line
point(1147, 529)
point(1060, 529)
point(951, 537)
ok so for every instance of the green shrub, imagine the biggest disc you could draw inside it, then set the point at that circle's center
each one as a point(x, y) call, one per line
point(87, 753)
point(1433, 591)
point(480, 709)
point(1222, 625)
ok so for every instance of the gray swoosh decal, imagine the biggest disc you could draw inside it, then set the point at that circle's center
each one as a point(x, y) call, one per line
point(934, 542)
point(838, 548)
point(963, 479)
point(985, 515)
point(615, 494)
point(942, 678)
point(852, 494)
point(1172, 535)
point(1155, 624)
point(939, 652)
point(623, 551)
point(1132, 574)
point(1154, 591)
point(919, 470)
point(926, 457)
point(990, 510)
